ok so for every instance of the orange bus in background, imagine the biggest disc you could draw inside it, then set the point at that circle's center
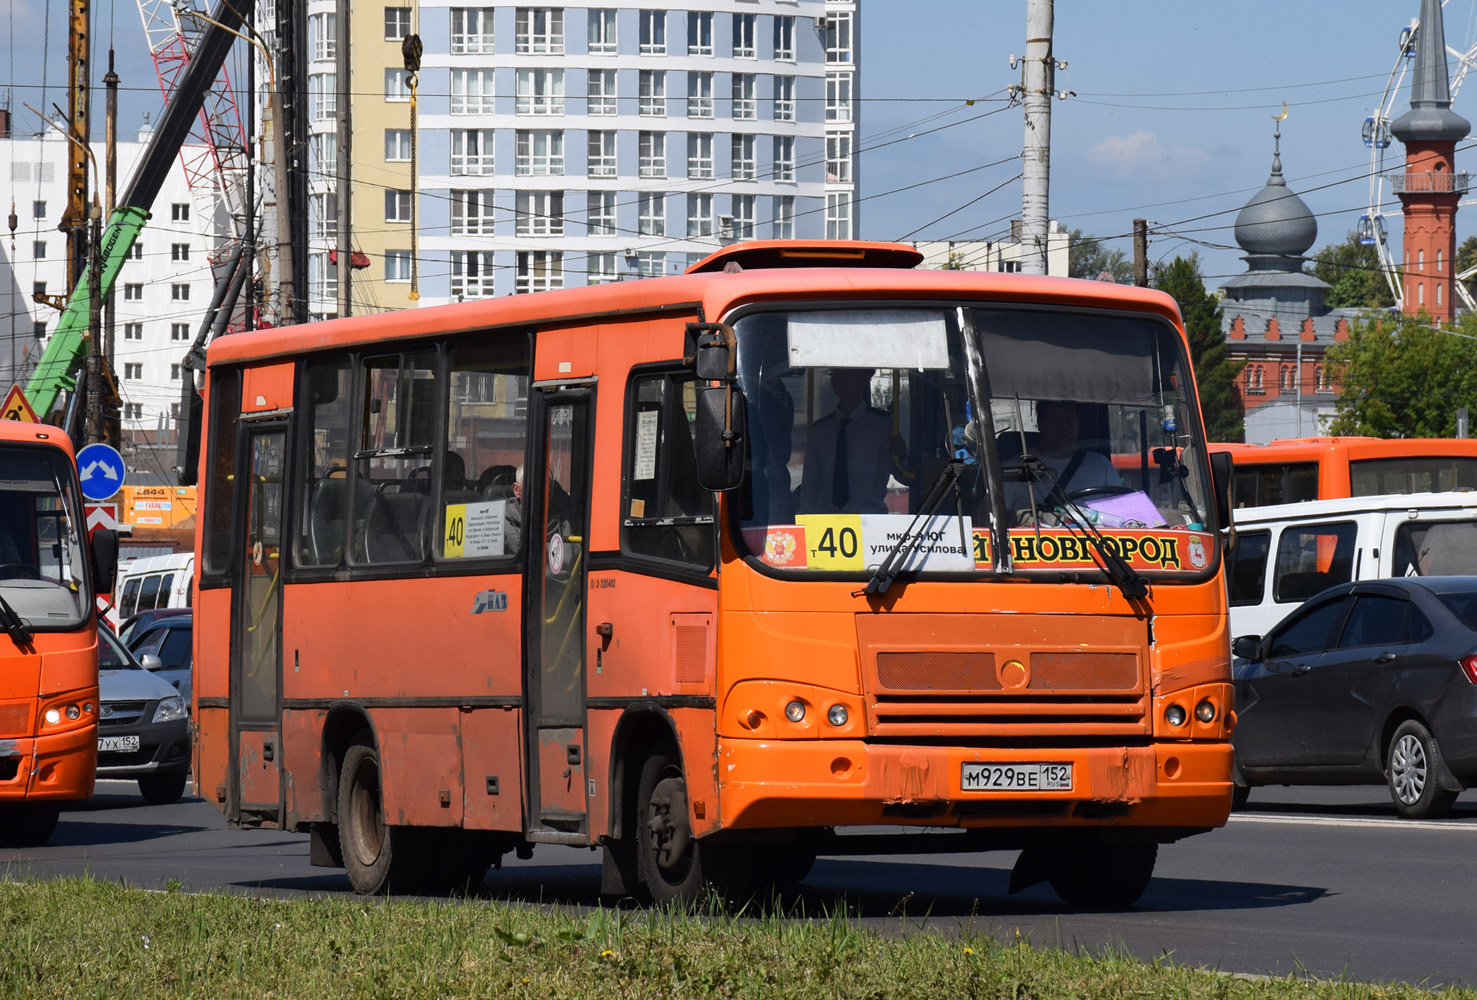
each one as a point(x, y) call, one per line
point(1295, 470)
point(547, 569)
point(48, 632)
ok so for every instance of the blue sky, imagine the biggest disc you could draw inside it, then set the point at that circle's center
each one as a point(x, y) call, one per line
point(1171, 120)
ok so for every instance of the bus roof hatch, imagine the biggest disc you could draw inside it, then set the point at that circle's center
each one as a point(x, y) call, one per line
point(809, 253)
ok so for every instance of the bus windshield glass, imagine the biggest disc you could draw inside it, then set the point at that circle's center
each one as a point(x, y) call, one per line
point(42, 559)
point(854, 414)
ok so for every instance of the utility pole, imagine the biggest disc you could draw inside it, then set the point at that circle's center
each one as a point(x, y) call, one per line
point(1039, 83)
point(1141, 253)
point(112, 430)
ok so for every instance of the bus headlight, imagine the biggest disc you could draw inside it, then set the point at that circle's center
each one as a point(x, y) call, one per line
point(1175, 715)
point(53, 716)
point(73, 712)
point(837, 715)
point(1205, 711)
point(795, 711)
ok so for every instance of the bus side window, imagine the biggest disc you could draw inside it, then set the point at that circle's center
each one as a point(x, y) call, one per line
point(478, 514)
point(393, 466)
point(666, 514)
point(324, 486)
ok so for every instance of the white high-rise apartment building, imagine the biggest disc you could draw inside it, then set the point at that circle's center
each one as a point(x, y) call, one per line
point(559, 146)
point(162, 291)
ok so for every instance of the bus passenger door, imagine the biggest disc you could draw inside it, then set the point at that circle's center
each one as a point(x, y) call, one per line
point(555, 531)
point(256, 648)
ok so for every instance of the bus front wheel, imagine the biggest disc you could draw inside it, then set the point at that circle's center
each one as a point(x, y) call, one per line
point(1104, 875)
point(28, 825)
point(668, 857)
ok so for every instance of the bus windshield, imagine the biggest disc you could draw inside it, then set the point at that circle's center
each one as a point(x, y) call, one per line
point(42, 562)
point(854, 413)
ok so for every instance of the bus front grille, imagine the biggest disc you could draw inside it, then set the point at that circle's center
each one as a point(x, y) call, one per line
point(15, 719)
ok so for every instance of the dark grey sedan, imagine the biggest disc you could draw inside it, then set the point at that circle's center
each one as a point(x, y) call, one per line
point(1365, 683)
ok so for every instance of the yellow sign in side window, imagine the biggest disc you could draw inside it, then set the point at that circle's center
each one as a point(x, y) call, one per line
point(833, 542)
point(456, 531)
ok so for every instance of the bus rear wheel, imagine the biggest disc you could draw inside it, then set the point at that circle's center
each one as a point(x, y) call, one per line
point(368, 844)
point(28, 825)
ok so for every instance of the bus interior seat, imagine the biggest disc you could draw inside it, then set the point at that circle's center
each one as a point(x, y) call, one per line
point(496, 482)
point(395, 527)
point(327, 511)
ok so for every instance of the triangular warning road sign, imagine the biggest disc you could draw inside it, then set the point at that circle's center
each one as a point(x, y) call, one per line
point(17, 407)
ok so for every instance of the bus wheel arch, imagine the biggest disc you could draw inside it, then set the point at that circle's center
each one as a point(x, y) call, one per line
point(345, 726)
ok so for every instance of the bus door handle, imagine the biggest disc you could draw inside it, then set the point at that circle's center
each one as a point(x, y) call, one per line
point(269, 750)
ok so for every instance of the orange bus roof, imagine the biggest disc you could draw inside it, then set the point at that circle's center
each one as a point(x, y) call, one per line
point(21, 431)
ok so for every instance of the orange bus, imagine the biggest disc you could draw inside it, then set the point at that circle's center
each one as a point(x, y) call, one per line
point(1295, 470)
point(48, 614)
point(576, 567)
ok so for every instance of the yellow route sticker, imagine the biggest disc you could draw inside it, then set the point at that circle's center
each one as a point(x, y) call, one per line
point(833, 541)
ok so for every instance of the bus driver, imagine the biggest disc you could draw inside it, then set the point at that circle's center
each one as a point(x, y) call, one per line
point(1073, 465)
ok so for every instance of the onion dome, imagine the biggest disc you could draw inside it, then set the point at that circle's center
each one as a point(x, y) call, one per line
point(1276, 222)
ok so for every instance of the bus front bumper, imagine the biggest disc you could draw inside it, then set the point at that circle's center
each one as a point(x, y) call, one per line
point(769, 784)
point(60, 767)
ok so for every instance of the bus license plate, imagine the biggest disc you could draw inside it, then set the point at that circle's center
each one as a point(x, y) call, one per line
point(106, 744)
point(1027, 777)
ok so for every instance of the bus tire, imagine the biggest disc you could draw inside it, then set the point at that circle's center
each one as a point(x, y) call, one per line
point(28, 825)
point(1100, 875)
point(369, 845)
point(162, 789)
point(784, 866)
point(668, 857)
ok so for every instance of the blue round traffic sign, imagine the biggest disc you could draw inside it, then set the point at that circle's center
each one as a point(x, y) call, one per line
point(100, 469)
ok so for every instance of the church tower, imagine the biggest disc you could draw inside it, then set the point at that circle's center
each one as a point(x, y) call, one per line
point(1430, 187)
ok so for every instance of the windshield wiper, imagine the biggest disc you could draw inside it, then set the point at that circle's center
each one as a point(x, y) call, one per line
point(1127, 579)
point(897, 556)
point(13, 625)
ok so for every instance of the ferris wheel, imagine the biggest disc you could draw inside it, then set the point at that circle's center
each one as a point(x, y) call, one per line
point(1373, 228)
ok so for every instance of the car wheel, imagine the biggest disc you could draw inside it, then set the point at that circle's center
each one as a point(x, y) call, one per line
point(162, 789)
point(28, 825)
point(1239, 795)
point(370, 846)
point(1098, 875)
point(1413, 762)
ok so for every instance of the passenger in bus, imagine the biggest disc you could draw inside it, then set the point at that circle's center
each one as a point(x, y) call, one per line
point(1073, 464)
point(513, 515)
point(850, 452)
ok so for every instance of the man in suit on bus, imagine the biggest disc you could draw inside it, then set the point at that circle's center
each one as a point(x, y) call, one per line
point(850, 452)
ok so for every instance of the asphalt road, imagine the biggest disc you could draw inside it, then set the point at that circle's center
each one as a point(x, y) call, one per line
point(1324, 882)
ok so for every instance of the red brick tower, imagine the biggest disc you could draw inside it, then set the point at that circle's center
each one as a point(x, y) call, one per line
point(1430, 187)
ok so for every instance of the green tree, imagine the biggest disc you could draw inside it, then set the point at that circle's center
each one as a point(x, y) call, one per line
point(1353, 269)
point(1215, 372)
point(1087, 257)
point(1401, 377)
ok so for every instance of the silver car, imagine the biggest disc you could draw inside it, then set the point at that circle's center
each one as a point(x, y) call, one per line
point(143, 729)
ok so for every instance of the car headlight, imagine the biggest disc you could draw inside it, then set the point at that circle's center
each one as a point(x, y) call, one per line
point(169, 709)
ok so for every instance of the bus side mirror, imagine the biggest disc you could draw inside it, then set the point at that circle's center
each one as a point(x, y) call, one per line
point(104, 550)
point(720, 437)
point(1222, 475)
point(713, 358)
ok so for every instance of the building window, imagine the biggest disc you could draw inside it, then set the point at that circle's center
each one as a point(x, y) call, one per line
point(323, 154)
point(397, 265)
point(133, 369)
point(601, 268)
point(743, 157)
point(179, 293)
point(600, 91)
point(600, 213)
point(699, 215)
point(471, 91)
point(540, 30)
point(784, 217)
point(38, 249)
point(540, 92)
point(397, 145)
point(471, 213)
point(538, 153)
point(323, 95)
point(700, 33)
point(699, 156)
point(652, 155)
point(784, 157)
point(323, 217)
point(133, 331)
point(600, 154)
point(838, 216)
point(838, 37)
point(322, 36)
point(651, 214)
point(38, 210)
point(174, 373)
point(136, 252)
point(471, 152)
point(133, 411)
point(784, 37)
point(1254, 381)
point(179, 211)
point(743, 36)
point(838, 97)
point(700, 95)
point(1320, 380)
point(602, 33)
point(397, 85)
point(1438, 263)
point(540, 213)
point(179, 251)
point(471, 274)
point(743, 217)
point(397, 23)
point(38, 329)
point(38, 289)
point(1284, 381)
point(784, 98)
point(539, 271)
point(179, 331)
point(651, 263)
point(744, 106)
point(397, 205)
point(838, 158)
point(133, 292)
point(653, 32)
point(471, 31)
point(652, 94)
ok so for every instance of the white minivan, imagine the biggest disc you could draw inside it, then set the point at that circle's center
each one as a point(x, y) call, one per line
point(1286, 553)
point(153, 582)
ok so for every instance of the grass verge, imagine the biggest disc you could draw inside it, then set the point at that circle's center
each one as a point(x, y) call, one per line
point(78, 938)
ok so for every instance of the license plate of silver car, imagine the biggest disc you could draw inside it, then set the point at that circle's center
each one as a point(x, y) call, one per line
point(110, 744)
point(1030, 776)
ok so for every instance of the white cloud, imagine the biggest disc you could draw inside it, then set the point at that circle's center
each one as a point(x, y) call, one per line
point(1143, 156)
